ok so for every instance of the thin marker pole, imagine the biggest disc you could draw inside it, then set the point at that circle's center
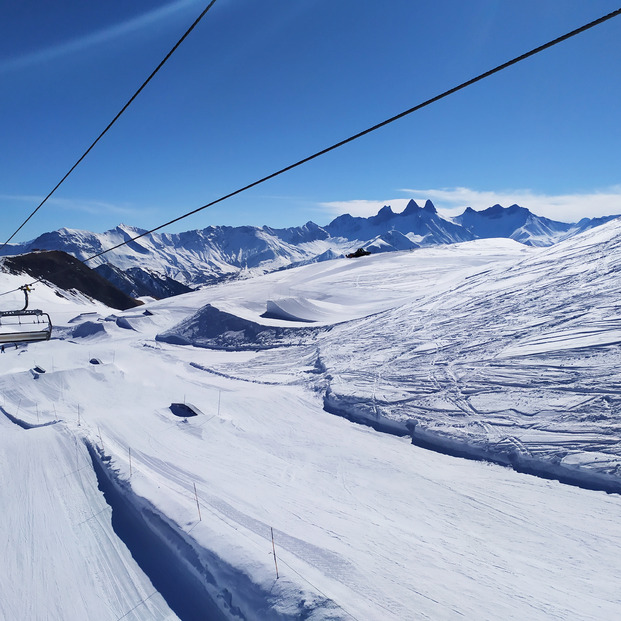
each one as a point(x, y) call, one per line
point(274, 552)
point(100, 438)
point(200, 519)
point(129, 451)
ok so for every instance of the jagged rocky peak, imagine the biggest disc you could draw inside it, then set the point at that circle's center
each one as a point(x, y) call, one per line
point(494, 211)
point(498, 211)
point(523, 211)
point(311, 226)
point(414, 208)
point(126, 229)
point(385, 213)
point(342, 219)
point(411, 207)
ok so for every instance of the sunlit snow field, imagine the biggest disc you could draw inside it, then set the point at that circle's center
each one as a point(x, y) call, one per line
point(489, 349)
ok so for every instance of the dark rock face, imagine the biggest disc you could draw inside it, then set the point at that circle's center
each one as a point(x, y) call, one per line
point(66, 272)
point(137, 282)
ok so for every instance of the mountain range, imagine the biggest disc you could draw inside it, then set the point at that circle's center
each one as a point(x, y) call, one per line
point(160, 265)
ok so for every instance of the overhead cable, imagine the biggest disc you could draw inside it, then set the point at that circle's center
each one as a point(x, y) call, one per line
point(392, 119)
point(113, 121)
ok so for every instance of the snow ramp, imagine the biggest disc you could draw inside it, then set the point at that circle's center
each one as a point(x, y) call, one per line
point(299, 309)
point(215, 329)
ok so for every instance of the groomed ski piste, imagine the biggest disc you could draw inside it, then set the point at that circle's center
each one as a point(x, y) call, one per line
point(429, 434)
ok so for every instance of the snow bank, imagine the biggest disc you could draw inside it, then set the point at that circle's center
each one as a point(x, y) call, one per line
point(216, 329)
point(167, 556)
point(195, 582)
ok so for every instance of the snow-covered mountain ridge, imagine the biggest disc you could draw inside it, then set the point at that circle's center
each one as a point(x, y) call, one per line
point(157, 263)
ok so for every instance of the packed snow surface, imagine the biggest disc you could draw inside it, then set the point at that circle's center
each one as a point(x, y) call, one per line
point(486, 348)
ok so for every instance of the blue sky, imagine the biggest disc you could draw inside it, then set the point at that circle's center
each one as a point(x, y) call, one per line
point(261, 84)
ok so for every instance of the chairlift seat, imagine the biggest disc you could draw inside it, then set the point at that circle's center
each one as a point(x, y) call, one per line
point(25, 325)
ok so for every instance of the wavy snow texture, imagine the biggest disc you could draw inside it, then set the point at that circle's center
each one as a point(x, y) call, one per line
point(518, 365)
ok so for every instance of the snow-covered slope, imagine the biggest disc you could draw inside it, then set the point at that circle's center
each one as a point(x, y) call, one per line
point(515, 364)
point(61, 558)
point(520, 364)
point(488, 346)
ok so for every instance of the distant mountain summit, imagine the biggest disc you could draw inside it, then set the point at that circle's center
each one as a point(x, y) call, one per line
point(166, 264)
point(496, 221)
point(522, 225)
point(422, 225)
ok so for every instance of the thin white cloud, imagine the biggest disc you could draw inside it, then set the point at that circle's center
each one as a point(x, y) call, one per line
point(91, 207)
point(95, 38)
point(452, 202)
point(561, 207)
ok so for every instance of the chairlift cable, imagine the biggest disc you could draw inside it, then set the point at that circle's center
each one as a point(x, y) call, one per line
point(341, 143)
point(114, 120)
point(407, 112)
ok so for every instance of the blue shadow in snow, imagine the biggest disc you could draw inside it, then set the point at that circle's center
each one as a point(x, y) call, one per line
point(166, 558)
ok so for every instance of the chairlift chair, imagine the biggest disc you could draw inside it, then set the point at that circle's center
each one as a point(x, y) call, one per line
point(25, 326)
